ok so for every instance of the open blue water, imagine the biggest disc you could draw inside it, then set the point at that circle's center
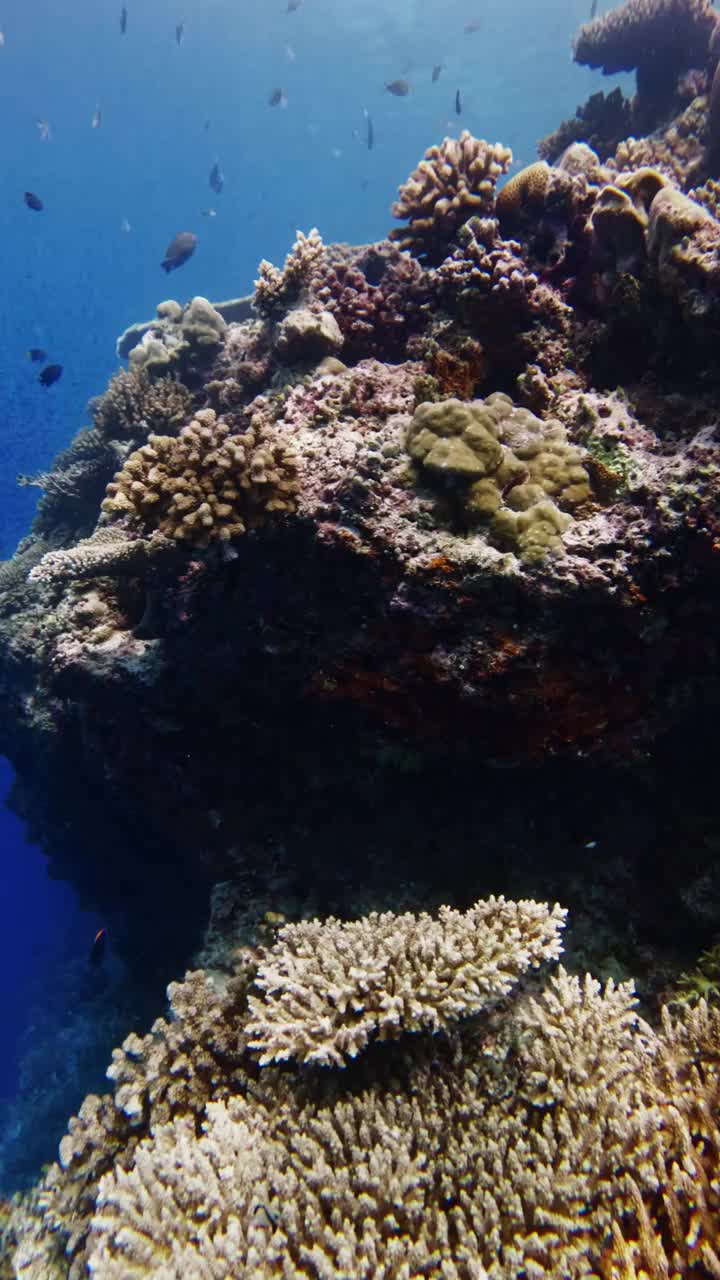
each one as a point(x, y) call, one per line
point(73, 279)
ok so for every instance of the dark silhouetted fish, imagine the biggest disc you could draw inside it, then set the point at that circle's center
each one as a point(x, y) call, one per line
point(36, 354)
point(277, 98)
point(50, 374)
point(458, 103)
point(474, 24)
point(208, 213)
point(216, 178)
point(436, 72)
point(400, 88)
point(123, 21)
point(179, 33)
point(370, 132)
point(593, 10)
point(293, 5)
point(33, 202)
point(97, 950)
point(179, 250)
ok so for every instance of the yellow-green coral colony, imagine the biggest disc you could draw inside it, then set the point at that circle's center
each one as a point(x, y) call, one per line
point(501, 467)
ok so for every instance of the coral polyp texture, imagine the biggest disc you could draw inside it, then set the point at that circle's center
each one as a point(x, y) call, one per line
point(205, 484)
point(551, 1133)
point(453, 182)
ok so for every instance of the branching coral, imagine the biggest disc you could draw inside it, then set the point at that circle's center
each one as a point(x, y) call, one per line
point(486, 274)
point(660, 39)
point(134, 405)
point(108, 553)
point(378, 300)
point(275, 289)
point(209, 483)
point(500, 466)
point(329, 988)
point(453, 182)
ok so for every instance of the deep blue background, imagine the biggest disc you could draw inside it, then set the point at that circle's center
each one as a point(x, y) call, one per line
point(72, 280)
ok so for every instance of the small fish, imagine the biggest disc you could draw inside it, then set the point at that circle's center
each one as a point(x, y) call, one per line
point(44, 130)
point(125, 226)
point(123, 21)
point(33, 202)
point(216, 178)
point(370, 132)
point(399, 88)
point(590, 844)
point(472, 25)
point(208, 213)
point(50, 374)
point(97, 950)
point(436, 72)
point(35, 354)
point(290, 53)
point(293, 6)
point(2, 39)
point(278, 98)
point(179, 33)
point(96, 121)
point(336, 153)
point(179, 250)
point(593, 9)
point(458, 103)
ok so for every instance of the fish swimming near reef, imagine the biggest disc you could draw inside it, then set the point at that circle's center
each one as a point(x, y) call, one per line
point(216, 178)
point(50, 374)
point(179, 33)
point(369, 130)
point(436, 72)
point(277, 98)
point(96, 121)
point(293, 6)
point(123, 21)
point(179, 250)
point(36, 354)
point(44, 130)
point(32, 201)
point(208, 213)
point(398, 88)
point(96, 954)
point(2, 39)
point(458, 103)
point(125, 225)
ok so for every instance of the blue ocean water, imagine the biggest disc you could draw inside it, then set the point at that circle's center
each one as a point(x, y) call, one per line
point(77, 273)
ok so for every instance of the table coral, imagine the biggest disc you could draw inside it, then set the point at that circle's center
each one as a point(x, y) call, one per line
point(208, 483)
point(453, 181)
point(659, 39)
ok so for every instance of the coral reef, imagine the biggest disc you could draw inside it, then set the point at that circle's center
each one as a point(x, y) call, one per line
point(134, 405)
point(552, 1133)
point(453, 182)
point(601, 122)
point(500, 465)
point(275, 288)
point(211, 482)
point(378, 300)
point(659, 39)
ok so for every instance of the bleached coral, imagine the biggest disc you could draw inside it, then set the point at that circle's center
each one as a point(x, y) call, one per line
point(329, 987)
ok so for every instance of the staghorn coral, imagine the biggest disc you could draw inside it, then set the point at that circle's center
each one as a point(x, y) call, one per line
point(275, 289)
point(108, 553)
point(330, 987)
point(209, 483)
point(499, 465)
point(659, 39)
point(453, 182)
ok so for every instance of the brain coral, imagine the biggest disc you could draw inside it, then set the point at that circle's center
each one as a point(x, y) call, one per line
point(452, 182)
point(499, 465)
point(208, 483)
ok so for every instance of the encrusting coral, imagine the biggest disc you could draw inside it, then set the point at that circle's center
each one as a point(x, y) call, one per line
point(499, 465)
point(453, 182)
point(552, 1133)
point(209, 483)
